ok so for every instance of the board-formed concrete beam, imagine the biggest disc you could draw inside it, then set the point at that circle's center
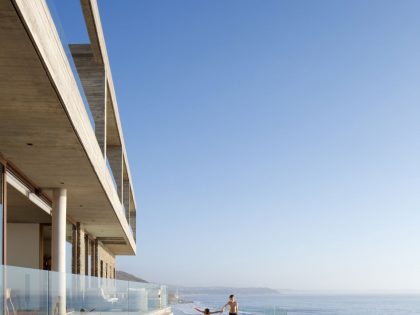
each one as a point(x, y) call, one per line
point(89, 9)
point(92, 76)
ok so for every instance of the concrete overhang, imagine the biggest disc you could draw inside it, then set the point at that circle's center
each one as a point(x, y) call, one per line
point(97, 40)
point(44, 126)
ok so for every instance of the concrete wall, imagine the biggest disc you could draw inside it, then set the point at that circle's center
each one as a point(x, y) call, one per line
point(108, 261)
point(23, 248)
point(81, 251)
point(80, 264)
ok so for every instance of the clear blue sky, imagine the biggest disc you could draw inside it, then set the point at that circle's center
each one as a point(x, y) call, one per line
point(272, 143)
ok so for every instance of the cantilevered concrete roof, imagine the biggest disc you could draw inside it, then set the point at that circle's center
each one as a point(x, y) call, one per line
point(44, 127)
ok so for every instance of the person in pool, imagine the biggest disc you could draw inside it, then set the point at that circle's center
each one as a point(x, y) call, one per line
point(206, 311)
point(233, 305)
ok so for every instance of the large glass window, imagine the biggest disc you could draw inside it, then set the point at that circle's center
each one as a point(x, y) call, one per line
point(46, 246)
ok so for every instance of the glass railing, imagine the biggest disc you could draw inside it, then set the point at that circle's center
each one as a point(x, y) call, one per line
point(132, 232)
point(124, 211)
point(33, 291)
point(108, 165)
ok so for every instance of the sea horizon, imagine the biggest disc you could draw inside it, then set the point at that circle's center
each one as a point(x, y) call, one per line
point(265, 290)
point(305, 304)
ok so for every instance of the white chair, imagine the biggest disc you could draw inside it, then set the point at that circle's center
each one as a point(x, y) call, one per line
point(9, 302)
point(108, 298)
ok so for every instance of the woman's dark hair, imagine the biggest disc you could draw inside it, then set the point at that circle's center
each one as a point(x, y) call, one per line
point(206, 311)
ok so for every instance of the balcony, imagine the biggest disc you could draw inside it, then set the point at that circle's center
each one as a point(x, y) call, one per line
point(32, 291)
point(50, 130)
point(90, 68)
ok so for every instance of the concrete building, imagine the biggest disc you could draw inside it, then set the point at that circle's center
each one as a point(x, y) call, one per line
point(67, 201)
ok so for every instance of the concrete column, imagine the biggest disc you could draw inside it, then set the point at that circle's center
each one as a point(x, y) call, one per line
point(115, 158)
point(58, 247)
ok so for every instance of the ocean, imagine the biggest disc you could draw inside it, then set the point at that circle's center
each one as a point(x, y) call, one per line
point(307, 304)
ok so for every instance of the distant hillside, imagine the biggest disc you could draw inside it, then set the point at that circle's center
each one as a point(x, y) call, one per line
point(225, 290)
point(122, 275)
